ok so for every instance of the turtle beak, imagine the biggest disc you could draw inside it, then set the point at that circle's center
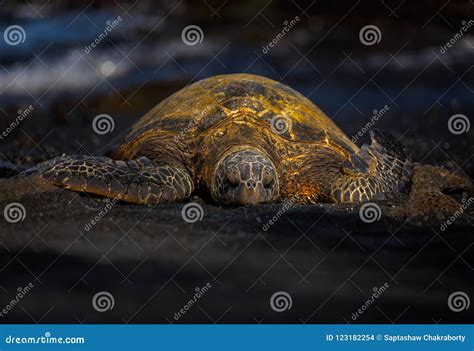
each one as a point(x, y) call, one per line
point(245, 177)
point(246, 194)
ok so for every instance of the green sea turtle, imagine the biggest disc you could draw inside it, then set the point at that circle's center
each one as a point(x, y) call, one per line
point(242, 139)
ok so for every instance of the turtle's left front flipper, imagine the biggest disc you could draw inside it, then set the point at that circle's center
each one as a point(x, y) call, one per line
point(380, 168)
point(137, 181)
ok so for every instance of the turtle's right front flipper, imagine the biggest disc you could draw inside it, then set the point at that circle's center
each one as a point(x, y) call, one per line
point(137, 181)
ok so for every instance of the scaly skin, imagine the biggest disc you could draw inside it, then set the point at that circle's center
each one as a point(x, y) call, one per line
point(138, 181)
point(219, 113)
point(186, 137)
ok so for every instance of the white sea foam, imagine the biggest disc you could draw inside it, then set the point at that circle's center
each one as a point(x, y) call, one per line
point(75, 71)
point(461, 53)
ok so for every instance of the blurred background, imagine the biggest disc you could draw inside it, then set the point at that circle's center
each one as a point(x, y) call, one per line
point(404, 66)
point(142, 54)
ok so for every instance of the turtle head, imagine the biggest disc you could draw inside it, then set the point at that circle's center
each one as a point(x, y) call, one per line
point(244, 176)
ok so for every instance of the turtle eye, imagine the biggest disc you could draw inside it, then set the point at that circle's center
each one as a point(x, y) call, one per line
point(267, 176)
point(233, 175)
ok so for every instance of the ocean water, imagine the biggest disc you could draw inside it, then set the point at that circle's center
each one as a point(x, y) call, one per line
point(54, 60)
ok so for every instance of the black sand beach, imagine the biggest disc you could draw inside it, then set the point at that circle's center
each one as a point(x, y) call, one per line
point(152, 261)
